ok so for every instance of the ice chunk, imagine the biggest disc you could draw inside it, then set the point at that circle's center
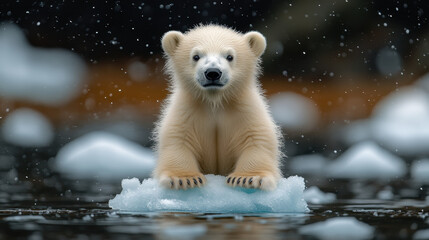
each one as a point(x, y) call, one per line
point(401, 122)
point(315, 196)
point(27, 128)
point(420, 170)
point(294, 112)
point(339, 228)
point(215, 197)
point(308, 164)
point(46, 76)
point(367, 160)
point(104, 156)
point(421, 234)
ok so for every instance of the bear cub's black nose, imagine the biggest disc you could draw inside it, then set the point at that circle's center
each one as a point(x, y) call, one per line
point(213, 74)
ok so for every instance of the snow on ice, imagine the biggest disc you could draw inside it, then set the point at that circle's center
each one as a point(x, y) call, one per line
point(305, 115)
point(46, 76)
point(367, 160)
point(339, 228)
point(27, 128)
point(104, 156)
point(420, 170)
point(400, 122)
point(316, 196)
point(215, 197)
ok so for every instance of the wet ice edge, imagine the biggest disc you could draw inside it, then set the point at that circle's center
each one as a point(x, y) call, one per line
point(215, 197)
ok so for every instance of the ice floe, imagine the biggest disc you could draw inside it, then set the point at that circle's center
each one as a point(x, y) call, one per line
point(400, 122)
point(27, 128)
point(45, 76)
point(367, 160)
point(339, 228)
point(314, 195)
point(214, 197)
point(104, 156)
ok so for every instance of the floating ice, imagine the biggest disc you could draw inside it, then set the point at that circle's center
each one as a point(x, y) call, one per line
point(27, 128)
point(421, 234)
point(367, 160)
point(294, 112)
point(104, 156)
point(215, 197)
point(420, 170)
point(339, 228)
point(316, 196)
point(313, 164)
point(46, 76)
point(401, 122)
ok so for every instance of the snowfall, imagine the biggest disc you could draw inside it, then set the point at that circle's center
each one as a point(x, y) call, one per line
point(397, 129)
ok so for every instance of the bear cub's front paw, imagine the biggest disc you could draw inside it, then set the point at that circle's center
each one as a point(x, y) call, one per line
point(266, 182)
point(183, 182)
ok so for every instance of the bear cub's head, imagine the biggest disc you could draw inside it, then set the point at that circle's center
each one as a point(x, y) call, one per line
point(213, 58)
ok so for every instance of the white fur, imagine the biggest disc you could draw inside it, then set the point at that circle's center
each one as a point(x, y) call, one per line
point(228, 130)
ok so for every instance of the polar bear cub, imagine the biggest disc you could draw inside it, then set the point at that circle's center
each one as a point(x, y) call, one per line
point(216, 121)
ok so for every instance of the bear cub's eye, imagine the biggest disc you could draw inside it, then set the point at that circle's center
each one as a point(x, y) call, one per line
point(196, 58)
point(229, 58)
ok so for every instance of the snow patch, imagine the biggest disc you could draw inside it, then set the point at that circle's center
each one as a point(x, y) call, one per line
point(214, 197)
point(104, 156)
point(293, 111)
point(367, 160)
point(46, 76)
point(339, 228)
point(316, 196)
point(27, 128)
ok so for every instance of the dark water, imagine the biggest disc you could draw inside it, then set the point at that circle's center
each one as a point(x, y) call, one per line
point(55, 208)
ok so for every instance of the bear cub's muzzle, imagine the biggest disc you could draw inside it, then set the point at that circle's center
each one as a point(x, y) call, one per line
point(213, 76)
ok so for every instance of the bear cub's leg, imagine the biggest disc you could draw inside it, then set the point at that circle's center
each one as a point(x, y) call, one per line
point(178, 169)
point(255, 169)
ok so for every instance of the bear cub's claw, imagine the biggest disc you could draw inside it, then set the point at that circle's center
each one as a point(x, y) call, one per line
point(183, 182)
point(248, 181)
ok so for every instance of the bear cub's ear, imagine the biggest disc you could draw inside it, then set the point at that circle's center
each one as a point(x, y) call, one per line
point(256, 42)
point(170, 41)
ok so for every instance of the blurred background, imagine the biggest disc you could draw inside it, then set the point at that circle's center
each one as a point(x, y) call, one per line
point(81, 83)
